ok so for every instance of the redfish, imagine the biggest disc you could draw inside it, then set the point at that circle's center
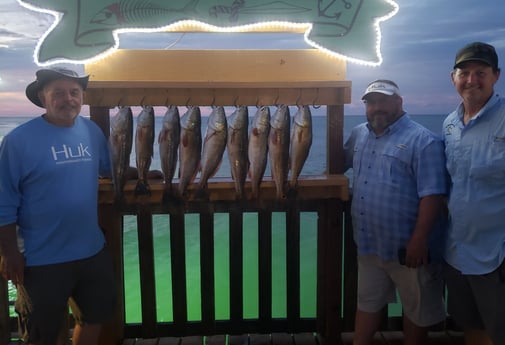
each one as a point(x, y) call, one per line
point(144, 141)
point(168, 142)
point(238, 123)
point(301, 140)
point(190, 147)
point(120, 148)
point(278, 148)
point(258, 148)
point(214, 145)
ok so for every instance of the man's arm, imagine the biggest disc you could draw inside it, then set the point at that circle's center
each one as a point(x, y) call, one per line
point(12, 262)
point(430, 208)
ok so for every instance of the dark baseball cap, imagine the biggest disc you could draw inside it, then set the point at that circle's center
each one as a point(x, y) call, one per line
point(46, 75)
point(477, 51)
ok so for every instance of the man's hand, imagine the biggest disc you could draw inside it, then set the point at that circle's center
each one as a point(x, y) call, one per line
point(12, 266)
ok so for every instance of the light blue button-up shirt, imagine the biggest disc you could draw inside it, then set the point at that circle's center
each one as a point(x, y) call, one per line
point(391, 173)
point(476, 163)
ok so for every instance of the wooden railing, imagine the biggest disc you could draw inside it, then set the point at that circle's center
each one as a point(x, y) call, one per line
point(336, 273)
point(333, 315)
point(329, 208)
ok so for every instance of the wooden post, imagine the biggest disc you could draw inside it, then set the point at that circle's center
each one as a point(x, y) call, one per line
point(111, 222)
point(5, 325)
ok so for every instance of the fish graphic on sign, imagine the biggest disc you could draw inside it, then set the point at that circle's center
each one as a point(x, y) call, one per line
point(84, 29)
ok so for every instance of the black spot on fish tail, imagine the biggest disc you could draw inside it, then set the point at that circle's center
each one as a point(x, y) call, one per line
point(202, 194)
point(142, 188)
point(291, 193)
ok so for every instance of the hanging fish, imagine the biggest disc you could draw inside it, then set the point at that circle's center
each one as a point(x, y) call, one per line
point(258, 148)
point(168, 141)
point(190, 147)
point(120, 148)
point(214, 145)
point(144, 141)
point(278, 148)
point(237, 148)
point(301, 140)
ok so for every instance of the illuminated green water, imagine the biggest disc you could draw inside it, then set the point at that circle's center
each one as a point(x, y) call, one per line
point(161, 236)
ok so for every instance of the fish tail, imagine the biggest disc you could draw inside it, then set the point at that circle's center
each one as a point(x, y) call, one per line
point(142, 188)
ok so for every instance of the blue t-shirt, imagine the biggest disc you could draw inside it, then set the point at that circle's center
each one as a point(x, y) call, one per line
point(476, 163)
point(49, 188)
point(391, 173)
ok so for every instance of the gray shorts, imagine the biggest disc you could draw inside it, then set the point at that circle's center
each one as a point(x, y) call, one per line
point(478, 301)
point(420, 289)
point(47, 289)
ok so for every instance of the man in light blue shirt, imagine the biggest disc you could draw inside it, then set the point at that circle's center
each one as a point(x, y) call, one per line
point(475, 149)
point(399, 187)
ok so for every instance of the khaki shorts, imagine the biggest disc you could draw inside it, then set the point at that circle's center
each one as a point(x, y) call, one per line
point(420, 289)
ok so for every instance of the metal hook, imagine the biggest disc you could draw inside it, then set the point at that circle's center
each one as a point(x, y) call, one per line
point(314, 102)
point(213, 104)
point(299, 97)
point(235, 102)
point(276, 101)
point(187, 102)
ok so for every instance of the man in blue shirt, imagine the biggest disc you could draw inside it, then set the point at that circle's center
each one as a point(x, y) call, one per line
point(399, 187)
point(475, 149)
point(51, 246)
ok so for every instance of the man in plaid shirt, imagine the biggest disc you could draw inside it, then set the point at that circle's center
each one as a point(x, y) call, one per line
point(399, 189)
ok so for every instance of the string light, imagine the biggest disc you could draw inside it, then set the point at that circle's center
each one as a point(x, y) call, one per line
point(191, 25)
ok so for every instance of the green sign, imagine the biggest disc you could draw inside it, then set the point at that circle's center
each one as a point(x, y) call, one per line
point(84, 29)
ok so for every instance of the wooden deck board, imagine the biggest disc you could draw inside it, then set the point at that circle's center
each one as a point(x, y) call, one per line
point(282, 339)
point(238, 340)
point(383, 338)
point(215, 340)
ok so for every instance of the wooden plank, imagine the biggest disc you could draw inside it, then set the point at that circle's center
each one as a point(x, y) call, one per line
point(222, 188)
point(169, 94)
point(293, 265)
point(207, 269)
point(5, 327)
point(282, 339)
point(241, 339)
point(169, 341)
point(350, 272)
point(306, 339)
point(215, 340)
point(193, 340)
point(257, 66)
point(265, 266)
point(100, 115)
point(146, 267)
point(178, 261)
point(236, 268)
point(334, 139)
point(259, 339)
point(149, 341)
point(111, 222)
point(329, 325)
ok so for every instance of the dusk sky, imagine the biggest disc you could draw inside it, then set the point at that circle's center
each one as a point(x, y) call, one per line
point(418, 47)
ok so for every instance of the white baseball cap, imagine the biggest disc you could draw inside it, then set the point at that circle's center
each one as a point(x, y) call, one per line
point(386, 87)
